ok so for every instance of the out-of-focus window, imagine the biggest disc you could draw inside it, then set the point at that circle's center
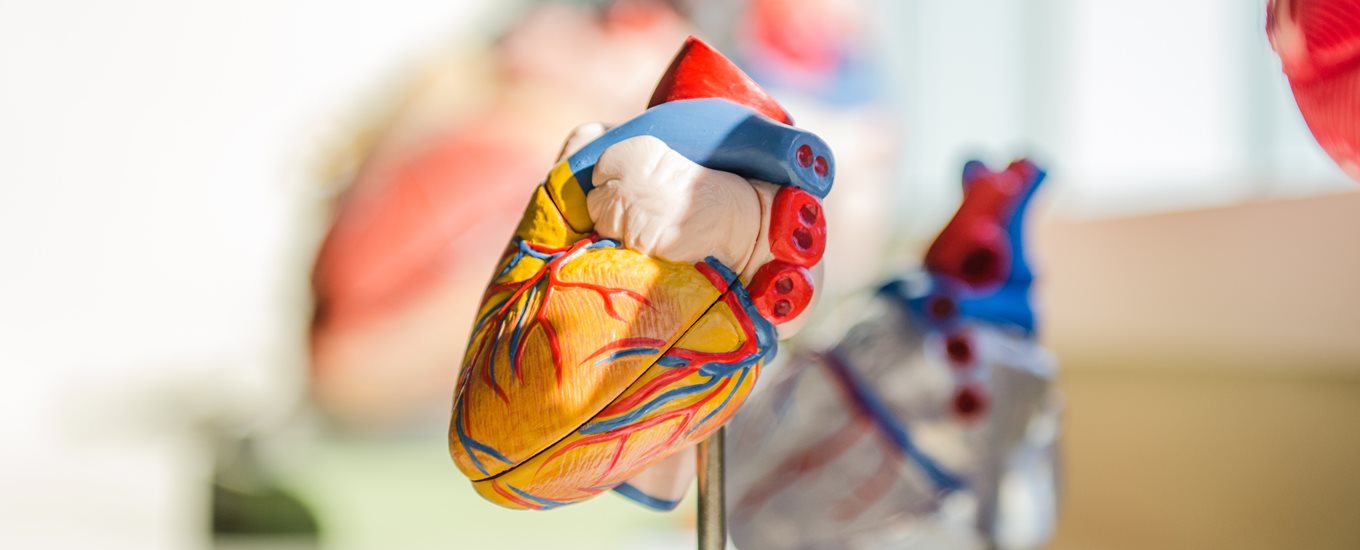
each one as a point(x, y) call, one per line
point(1133, 105)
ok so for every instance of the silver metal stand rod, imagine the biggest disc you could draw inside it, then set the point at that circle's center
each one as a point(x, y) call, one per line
point(712, 518)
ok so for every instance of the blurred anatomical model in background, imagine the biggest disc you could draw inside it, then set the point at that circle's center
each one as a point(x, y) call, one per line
point(817, 57)
point(1319, 46)
point(931, 422)
point(431, 203)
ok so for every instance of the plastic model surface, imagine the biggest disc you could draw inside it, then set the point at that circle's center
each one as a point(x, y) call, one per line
point(648, 281)
point(933, 405)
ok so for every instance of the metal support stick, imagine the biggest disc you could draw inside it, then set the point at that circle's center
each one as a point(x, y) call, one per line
point(712, 518)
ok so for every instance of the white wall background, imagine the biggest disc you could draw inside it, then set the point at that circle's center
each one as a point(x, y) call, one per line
point(154, 195)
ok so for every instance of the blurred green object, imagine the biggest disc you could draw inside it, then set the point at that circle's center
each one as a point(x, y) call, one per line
point(268, 511)
point(401, 493)
point(250, 509)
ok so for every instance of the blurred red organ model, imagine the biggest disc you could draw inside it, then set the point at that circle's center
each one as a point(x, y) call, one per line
point(1319, 46)
point(416, 232)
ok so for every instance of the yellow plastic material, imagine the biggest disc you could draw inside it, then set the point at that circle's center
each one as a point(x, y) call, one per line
point(562, 394)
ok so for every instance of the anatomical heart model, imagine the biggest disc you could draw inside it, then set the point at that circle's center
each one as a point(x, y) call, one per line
point(931, 422)
point(1319, 46)
point(647, 283)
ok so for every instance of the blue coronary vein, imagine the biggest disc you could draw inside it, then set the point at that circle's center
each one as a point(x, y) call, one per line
point(883, 417)
point(473, 446)
point(626, 353)
point(735, 388)
point(634, 415)
point(638, 496)
point(547, 504)
point(519, 325)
